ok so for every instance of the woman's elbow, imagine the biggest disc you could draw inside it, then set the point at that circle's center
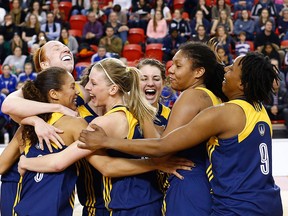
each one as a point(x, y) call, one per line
point(7, 107)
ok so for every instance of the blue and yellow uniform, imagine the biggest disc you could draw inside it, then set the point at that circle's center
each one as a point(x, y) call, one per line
point(162, 115)
point(86, 112)
point(50, 194)
point(89, 183)
point(190, 196)
point(80, 98)
point(9, 190)
point(241, 168)
point(134, 195)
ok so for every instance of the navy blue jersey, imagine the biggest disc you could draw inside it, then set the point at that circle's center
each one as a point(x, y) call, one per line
point(162, 115)
point(89, 183)
point(126, 195)
point(80, 98)
point(9, 190)
point(89, 190)
point(86, 112)
point(241, 168)
point(194, 190)
point(50, 194)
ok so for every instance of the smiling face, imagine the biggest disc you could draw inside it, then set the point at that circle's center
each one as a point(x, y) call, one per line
point(57, 55)
point(98, 87)
point(231, 85)
point(180, 73)
point(151, 83)
point(68, 93)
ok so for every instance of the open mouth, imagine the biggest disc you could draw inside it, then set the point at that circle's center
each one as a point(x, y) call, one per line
point(150, 92)
point(66, 58)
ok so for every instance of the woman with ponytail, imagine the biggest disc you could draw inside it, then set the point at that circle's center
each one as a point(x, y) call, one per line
point(116, 88)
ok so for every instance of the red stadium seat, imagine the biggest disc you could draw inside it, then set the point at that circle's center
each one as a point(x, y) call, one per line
point(284, 44)
point(77, 22)
point(94, 47)
point(136, 36)
point(168, 65)
point(65, 8)
point(154, 50)
point(75, 32)
point(185, 16)
point(132, 52)
point(251, 43)
point(178, 4)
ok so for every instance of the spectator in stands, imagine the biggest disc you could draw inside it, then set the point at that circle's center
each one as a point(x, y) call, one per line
point(41, 38)
point(27, 74)
point(17, 41)
point(240, 5)
point(245, 24)
point(216, 9)
point(51, 28)
point(262, 19)
point(180, 24)
point(225, 59)
point(277, 106)
point(16, 61)
point(121, 15)
point(30, 30)
point(80, 7)
point(157, 28)
point(268, 36)
point(119, 29)
point(69, 40)
point(264, 4)
point(37, 10)
point(280, 6)
point(111, 42)
point(160, 5)
point(241, 46)
point(283, 23)
point(17, 13)
point(125, 5)
point(281, 74)
point(8, 81)
point(199, 20)
point(59, 16)
point(140, 15)
point(92, 30)
point(101, 54)
point(201, 35)
point(224, 40)
point(94, 7)
point(206, 9)
point(171, 43)
point(9, 28)
point(223, 20)
point(271, 51)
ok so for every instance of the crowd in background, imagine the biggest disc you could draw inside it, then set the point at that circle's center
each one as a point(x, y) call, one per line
point(239, 26)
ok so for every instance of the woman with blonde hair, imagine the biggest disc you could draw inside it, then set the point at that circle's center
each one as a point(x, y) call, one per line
point(31, 30)
point(132, 187)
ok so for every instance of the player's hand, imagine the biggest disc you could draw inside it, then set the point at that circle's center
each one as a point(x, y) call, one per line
point(46, 132)
point(92, 140)
point(21, 169)
point(172, 164)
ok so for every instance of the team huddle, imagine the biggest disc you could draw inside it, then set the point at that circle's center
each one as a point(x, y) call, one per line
point(128, 154)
